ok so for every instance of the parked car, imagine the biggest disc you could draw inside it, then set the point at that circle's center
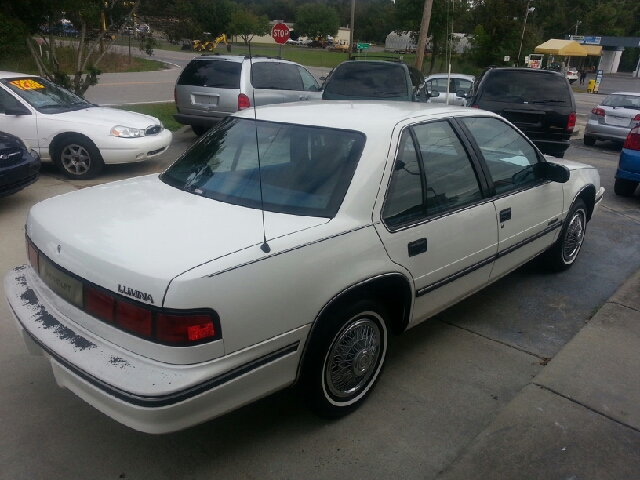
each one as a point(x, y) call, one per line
point(613, 118)
point(78, 136)
point(628, 172)
point(375, 80)
point(232, 275)
point(19, 165)
point(212, 87)
point(571, 73)
point(460, 87)
point(539, 102)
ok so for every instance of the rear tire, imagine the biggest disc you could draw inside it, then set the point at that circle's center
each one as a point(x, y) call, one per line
point(564, 252)
point(344, 357)
point(589, 141)
point(624, 188)
point(199, 130)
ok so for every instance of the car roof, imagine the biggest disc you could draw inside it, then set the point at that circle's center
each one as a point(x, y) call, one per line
point(367, 116)
point(635, 94)
point(239, 58)
point(453, 75)
point(14, 75)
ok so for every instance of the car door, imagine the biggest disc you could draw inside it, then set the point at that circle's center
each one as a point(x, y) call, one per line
point(436, 220)
point(23, 126)
point(528, 208)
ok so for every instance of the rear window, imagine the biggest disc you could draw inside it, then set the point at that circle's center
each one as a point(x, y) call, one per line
point(302, 171)
point(624, 101)
point(211, 73)
point(360, 79)
point(525, 87)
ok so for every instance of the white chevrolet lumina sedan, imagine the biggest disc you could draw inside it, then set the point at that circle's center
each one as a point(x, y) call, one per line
point(286, 250)
point(78, 136)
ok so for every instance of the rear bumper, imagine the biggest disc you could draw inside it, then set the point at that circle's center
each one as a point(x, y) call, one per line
point(199, 120)
point(144, 394)
point(605, 132)
point(16, 177)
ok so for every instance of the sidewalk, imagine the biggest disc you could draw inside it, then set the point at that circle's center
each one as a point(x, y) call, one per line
point(579, 418)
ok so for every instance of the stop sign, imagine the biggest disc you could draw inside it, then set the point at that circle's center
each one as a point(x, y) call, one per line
point(280, 33)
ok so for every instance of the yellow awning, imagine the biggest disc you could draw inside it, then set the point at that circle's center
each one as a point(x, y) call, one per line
point(593, 50)
point(566, 48)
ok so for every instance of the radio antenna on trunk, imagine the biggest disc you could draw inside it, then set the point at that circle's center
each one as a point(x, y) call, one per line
point(265, 246)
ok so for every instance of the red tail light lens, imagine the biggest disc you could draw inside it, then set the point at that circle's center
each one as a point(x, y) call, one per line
point(32, 255)
point(633, 139)
point(134, 319)
point(98, 304)
point(597, 111)
point(475, 106)
point(572, 121)
point(184, 328)
point(636, 118)
point(243, 102)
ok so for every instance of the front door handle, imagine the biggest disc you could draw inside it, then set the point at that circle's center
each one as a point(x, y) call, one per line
point(505, 215)
point(417, 247)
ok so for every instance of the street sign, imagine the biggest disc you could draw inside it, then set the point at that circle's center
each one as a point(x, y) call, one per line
point(363, 46)
point(280, 33)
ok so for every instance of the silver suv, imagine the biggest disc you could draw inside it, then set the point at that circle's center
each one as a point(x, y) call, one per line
point(212, 87)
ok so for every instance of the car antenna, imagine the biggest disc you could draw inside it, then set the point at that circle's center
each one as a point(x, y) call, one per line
point(265, 246)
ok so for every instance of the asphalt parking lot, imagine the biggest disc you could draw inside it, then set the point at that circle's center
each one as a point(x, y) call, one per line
point(446, 381)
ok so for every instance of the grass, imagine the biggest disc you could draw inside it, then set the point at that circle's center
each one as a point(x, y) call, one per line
point(162, 111)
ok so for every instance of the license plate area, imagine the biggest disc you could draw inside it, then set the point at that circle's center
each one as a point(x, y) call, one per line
point(64, 285)
point(523, 117)
point(206, 100)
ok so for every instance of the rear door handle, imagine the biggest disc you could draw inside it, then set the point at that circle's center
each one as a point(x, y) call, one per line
point(417, 247)
point(505, 215)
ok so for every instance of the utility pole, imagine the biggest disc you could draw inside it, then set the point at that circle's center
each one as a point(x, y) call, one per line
point(422, 39)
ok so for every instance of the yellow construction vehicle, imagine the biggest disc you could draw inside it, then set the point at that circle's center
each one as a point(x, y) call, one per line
point(201, 46)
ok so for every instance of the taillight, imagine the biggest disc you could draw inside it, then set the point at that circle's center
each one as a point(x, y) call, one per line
point(183, 328)
point(134, 319)
point(475, 106)
point(597, 111)
point(98, 304)
point(636, 118)
point(633, 139)
point(572, 121)
point(243, 102)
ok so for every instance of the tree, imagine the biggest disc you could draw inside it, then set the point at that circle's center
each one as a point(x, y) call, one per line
point(316, 20)
point(245, 24)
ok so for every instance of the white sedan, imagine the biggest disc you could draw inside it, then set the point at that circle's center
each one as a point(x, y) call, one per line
point(78, 136)
point(286, 251)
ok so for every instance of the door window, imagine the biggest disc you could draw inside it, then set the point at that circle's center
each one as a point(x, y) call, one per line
point(6, 100)
point(276, 76)
point(509, 156)
point(308, 81)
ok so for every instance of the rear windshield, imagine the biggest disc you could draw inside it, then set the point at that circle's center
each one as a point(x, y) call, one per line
point(211, 73)
point(360, 79)
point(624, 101)
point(303, 170)
point(525, 87)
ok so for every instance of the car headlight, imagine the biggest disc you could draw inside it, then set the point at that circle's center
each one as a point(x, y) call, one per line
point(127, 132)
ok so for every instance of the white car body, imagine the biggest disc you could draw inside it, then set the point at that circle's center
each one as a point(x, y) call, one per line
point(166, 248)
point(94, 122)
point(456, 81)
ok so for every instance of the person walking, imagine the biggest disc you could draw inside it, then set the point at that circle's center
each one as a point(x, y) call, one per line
point(583, 75)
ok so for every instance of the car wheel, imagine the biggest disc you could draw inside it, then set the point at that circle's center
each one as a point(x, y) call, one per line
point(564, 252)
point(624, 188)
point(78, 158)
point(589, 141)
point(345, 356)
point(199, 130)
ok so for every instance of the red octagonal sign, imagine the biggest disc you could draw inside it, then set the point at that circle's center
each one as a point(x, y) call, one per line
point(280, 33)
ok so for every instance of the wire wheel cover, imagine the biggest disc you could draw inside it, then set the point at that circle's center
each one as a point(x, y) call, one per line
point(75, 159)
point(573, 237)
point(353, 358)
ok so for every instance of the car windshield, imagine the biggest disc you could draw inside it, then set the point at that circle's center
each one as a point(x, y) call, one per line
point(368, 80)
point(624, 101)
point(44, 96)
point(303, 170)
point(525, 87)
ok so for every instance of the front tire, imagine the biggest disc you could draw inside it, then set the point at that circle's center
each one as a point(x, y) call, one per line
point(78, 158)
point(345, 356)
point(624, 188)
point(564, 252)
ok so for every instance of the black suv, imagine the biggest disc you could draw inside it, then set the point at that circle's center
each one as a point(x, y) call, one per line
point(374, 80)
point(538, 102)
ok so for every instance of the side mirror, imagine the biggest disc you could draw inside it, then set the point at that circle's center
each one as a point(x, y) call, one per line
point(461, 94)
point(554, 172)
point(17, 110)
point(434, 93)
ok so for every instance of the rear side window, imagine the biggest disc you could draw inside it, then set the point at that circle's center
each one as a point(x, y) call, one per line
point(211, 73)
point(276, 76)
point(360, 79)
point(525, 87)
